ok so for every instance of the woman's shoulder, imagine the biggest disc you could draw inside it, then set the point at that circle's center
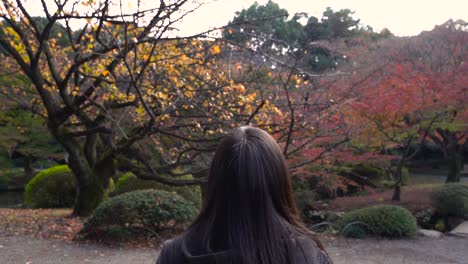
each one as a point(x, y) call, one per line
point(307, 251)
point(171, 251)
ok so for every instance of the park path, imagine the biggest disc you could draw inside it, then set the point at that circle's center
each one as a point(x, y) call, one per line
point(419, 250)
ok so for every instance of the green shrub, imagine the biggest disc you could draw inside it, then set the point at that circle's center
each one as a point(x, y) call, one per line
point(304, 199)
point(51, 188)
point(149, 209)
point(129, 182)
point(381, 220)
point(54, 187)
point(355, 230)
point(366, 170)
point(451, 199)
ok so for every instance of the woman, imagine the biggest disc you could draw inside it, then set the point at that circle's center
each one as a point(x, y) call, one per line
point(249, 215)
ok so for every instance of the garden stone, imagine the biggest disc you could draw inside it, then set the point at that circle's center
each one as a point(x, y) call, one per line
point(460, 230)
point(430, 233)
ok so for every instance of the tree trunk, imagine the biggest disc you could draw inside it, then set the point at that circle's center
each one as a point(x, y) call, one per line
point(452, 152)
point(90, 186)
point(454, 166)
point(397, 187)
point(89, 195)
point(398, 176)
point(396, 193)
point(28, 169)
point(453, 157)
point(92, 180)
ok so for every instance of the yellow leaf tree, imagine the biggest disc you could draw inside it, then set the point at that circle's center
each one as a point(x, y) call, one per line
point(123, 93)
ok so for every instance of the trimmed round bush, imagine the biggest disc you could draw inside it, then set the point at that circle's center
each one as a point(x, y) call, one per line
point(51, 188)
point(150, 209)
point(450, 199)
point(379, 220)
point(129, 182)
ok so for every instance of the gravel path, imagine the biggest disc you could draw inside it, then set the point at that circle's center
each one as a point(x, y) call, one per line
point(28, 250)
point(419, 250)
point(376, 251)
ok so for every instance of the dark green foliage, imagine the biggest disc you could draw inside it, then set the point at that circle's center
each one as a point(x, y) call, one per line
point(14, 177)
point(368, 170)
point(304, 199)
point(7, 175)
point(149, 209)
point(380, 220)
point(359, 176)
point(336, 24)
point(450, 199)
point(51, 188)
point(260, 25)
point(355, 230)
point(129, 182)
point(426, 218)
point(58, 31)
point(5, 161)
point(268, 28)
point(24, 136)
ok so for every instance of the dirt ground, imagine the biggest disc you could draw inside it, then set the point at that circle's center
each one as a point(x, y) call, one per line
point(414, 198)
point(419, 250)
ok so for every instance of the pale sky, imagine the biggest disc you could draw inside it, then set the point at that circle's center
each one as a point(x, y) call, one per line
point(402, 17)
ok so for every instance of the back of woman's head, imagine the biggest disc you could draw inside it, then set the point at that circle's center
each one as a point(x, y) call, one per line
point(249, 207)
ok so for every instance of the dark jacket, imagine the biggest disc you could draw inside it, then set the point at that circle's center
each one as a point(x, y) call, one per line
point(176, 252)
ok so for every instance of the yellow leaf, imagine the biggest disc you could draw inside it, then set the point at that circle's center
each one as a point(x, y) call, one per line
point(105, 73)
point(216, 49)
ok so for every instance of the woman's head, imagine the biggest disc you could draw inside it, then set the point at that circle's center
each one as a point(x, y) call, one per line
point(249, 206)
point(249, 175)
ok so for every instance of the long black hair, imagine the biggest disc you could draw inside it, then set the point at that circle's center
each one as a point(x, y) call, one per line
point(249, 206)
